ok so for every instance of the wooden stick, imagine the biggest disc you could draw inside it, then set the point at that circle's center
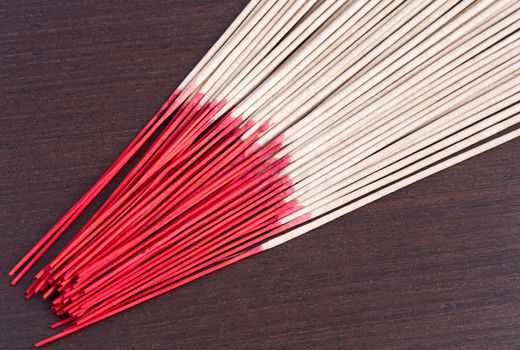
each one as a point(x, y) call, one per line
point(391, 188)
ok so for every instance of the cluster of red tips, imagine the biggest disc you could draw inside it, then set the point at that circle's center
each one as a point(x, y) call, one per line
point(203, 196)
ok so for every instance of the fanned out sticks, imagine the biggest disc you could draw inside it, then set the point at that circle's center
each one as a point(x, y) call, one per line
point(301, 112)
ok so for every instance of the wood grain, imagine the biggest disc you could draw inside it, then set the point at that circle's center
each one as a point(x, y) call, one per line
point(434, 266)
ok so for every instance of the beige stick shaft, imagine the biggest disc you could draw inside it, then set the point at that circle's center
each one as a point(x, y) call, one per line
point(352, 142)
point(444, 59)
point(463, 23)
point(271, 243)
point(400, 156)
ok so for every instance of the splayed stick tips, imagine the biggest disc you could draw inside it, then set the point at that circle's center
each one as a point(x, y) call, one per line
point(301, 112)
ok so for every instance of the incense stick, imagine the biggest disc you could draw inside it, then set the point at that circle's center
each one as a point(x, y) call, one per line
point(301, 112)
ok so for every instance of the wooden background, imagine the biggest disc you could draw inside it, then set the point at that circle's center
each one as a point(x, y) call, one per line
point(434, 266)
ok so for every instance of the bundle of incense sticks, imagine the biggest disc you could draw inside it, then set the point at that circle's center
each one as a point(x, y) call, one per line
point(301, 112)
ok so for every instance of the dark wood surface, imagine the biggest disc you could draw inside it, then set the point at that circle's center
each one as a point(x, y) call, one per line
point(433, 266)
